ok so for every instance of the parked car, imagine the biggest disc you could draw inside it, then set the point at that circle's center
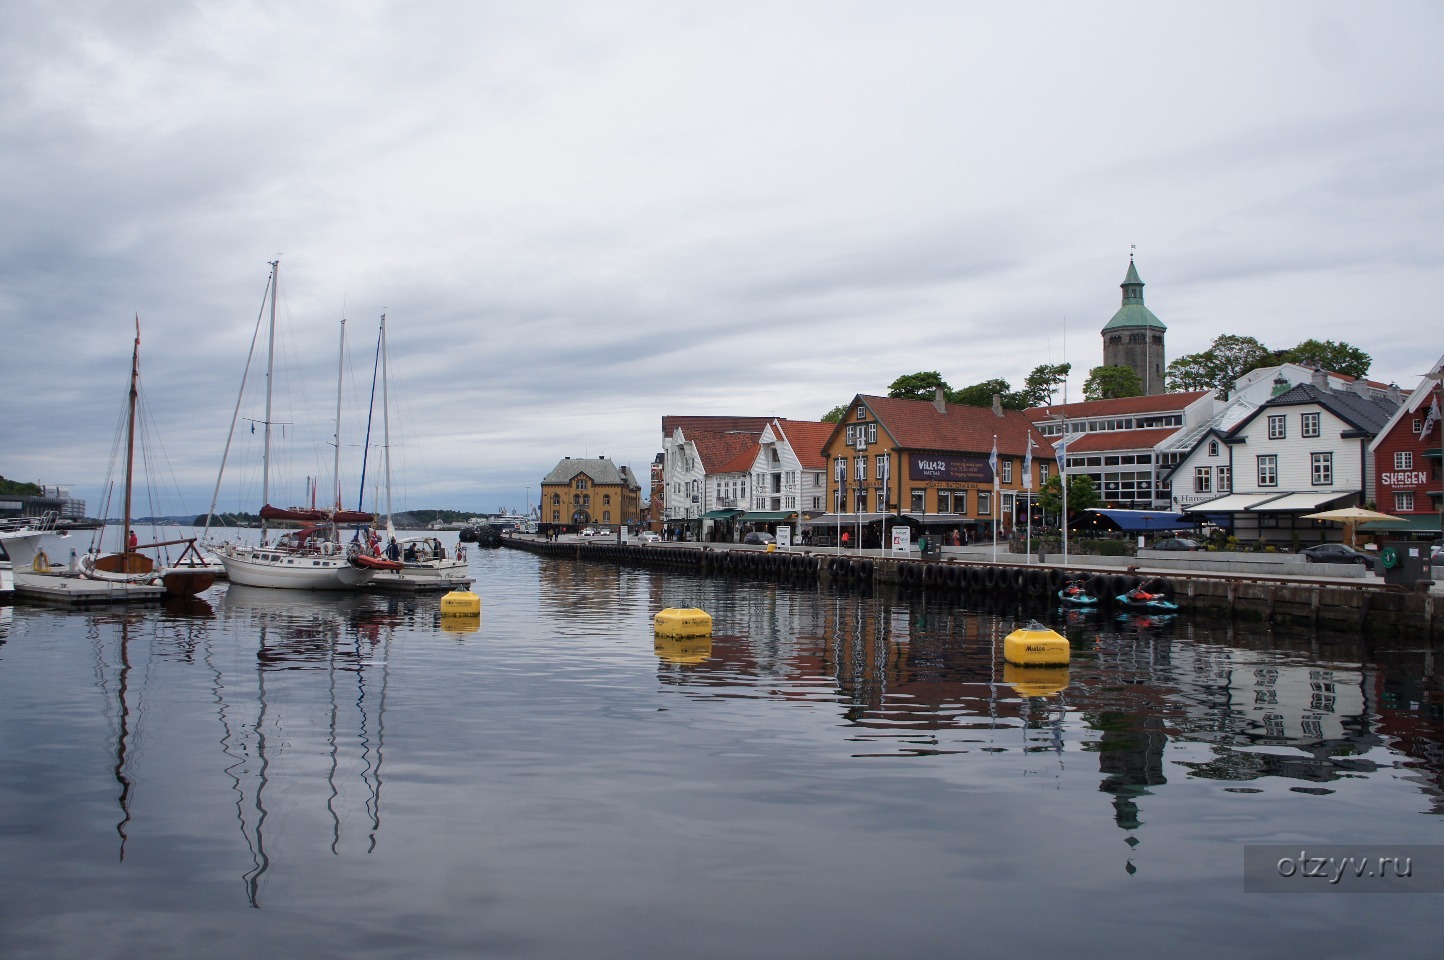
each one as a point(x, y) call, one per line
point(1436, 553)
point(759, 538)
point(647, 536)
point(589, 532)
point(1336, 553)
point(1177, 543)
point(604, 531)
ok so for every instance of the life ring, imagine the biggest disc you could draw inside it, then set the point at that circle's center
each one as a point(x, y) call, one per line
point(41, 563)
point(1389, 557)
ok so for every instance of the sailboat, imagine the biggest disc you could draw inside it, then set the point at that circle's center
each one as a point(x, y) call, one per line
point(126, 574)
point(312, 556)
point(424, 564)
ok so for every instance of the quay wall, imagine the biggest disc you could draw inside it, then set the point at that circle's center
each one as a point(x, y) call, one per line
point(1334, 603)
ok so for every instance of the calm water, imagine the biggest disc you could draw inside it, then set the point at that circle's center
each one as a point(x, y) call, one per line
point(832, 776)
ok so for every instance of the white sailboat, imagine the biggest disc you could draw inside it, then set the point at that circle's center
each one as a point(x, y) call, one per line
point(313, 556)
point(424, 563)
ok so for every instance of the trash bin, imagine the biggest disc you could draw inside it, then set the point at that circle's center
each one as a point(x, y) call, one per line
point(1405, 562)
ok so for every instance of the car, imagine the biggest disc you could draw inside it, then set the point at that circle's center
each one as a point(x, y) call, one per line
point(1336, 553)
point(589, 532)
point(757, 537)
point(1177, 543)
point(1436, 553)
point(647, 536)
point(604, 531)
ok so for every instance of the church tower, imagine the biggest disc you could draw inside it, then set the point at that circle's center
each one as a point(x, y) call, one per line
point(1134, 337)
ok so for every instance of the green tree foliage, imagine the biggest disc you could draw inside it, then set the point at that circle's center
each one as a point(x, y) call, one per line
point(835, 415)
point(1229, 357)
point(1110, 383)
point(981, 395)
point(17, 488)
point(1081, 494)
point(917, 386)
point(1038, 390)
point(1328, 355)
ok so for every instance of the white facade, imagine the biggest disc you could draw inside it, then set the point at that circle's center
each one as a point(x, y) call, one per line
point(1299, 448)
point(779, 480)
point(684, 479)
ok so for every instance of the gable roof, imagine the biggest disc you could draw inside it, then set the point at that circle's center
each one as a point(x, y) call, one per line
point(718, 450)
point(1102, 440)
point(807, 438)
point(691, 425)
point(1365, 414)
point(920, 425)
point(1414, 402)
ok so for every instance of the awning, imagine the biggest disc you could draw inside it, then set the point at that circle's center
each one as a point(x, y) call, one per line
point(768, 516)
point(833, 519)
point(1135, 521)
point(1414, 523)
point(720, 514)
point(1230, 503)
point(1299, 502)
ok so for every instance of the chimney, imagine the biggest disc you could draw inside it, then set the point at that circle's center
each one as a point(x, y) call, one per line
point(1320, 379)
point(940, 401)
point(1361, 388)
point(997, 404)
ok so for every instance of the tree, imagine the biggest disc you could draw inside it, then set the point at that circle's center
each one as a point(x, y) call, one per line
point(1046, 377)
point(1328, 355)
point(981, 395)
point(1229, 357)
point(1110, 383)
point(1081, 494)
point(917, 386)
point(835, 415)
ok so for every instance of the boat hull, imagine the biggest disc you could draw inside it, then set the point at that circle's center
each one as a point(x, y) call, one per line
point(261, 567)
point(425, 575)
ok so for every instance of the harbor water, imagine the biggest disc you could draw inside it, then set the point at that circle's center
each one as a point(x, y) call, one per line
point(828, 775)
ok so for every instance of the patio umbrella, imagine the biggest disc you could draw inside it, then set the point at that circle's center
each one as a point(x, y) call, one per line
point(1349, 516)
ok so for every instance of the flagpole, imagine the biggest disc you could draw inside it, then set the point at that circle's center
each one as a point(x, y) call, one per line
point(997, 497)
point(1028, 486)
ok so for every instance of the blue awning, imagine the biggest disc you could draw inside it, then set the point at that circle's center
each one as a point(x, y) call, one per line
point(1144, 521)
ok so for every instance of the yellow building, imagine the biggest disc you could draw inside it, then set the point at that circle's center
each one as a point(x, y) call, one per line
point(585, 492)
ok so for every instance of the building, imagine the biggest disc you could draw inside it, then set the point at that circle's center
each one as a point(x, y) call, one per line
point(1408, 476)
point(1302, 452)
point(585, 492)
point(1134, 337)
point(1126, 445)
point(694, 449)
point(929, 464)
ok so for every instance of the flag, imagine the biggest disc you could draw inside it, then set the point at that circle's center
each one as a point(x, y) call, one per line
point(1431, 419)
point(1028, 465)
point(841, 484)
point(993, 460)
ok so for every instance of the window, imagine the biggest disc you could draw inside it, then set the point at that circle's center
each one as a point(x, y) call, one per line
point(1225, 479)
point(1404, 460)
point(851, 434)
point(985, 503)
point(1268, 470)
point(1323, 469)
point(606, 516)
point(861, 412)
point(1213, 448)
point(861, 465)
point(1043, 474)
point(1278, 426)
point(839, 468)
point(1203, 479)
point(556, 499)
point(960, 501)
point(1309, 424)
point(882, 501)
point(879, 466)
point(1403, 501)
point(872, 433)
point(606, 499)
point(919, 503)
point(1007, 470)
point(1416, 425)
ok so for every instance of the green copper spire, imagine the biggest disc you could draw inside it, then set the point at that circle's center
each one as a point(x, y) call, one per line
point(1133, 313)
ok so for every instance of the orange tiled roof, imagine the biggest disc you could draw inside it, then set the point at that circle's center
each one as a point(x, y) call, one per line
point(692, 425)
point(1103, 440)
point(918, 425)
point(807, 438)
point(1122, 406)
point(718, 450)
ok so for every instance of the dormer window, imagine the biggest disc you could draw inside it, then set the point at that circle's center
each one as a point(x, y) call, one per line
point(1213, 448)
point(861, 412)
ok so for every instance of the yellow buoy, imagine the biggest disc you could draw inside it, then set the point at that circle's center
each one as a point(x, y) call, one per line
point(1036, 681)
point(461, 622)
point(683, 622)
point(1036, 646)
point(460, 603)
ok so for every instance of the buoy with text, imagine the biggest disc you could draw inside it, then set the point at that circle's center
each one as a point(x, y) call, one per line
point(683, 622)
point(1035, 646)
point(461, 612)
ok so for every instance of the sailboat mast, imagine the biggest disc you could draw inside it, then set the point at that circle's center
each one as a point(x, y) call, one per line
point(130, 433)
point(386, 424)
point(270, 375)
point(340, 369)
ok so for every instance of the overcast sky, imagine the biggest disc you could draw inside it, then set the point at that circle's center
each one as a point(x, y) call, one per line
point(580, 217)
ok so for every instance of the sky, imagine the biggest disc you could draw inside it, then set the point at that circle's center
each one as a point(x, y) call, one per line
point(580, 217)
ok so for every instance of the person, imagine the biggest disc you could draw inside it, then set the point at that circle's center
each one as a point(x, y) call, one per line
point(411, 553)
point(957, 538)
point(846, 538)
point(393, 550)
point(132, 541)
